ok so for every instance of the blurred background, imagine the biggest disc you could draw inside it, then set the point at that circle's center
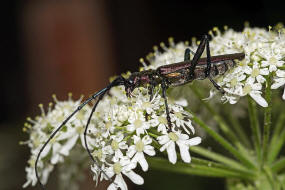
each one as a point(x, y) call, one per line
point(75, 46)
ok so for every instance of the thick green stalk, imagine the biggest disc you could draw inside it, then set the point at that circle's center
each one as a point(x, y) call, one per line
point(201, 168)
point(223, 142)
point(277, 139)
point(267, 116)
point(223, 126)
point(254, 124)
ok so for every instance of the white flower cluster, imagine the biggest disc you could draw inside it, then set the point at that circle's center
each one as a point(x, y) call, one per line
point(122, 132)
point(39, 131)
point(264, 57)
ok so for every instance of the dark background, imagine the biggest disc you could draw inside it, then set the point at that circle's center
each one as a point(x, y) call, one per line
point(61, 46)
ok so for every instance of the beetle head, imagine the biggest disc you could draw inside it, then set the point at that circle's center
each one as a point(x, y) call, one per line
point(131, 83)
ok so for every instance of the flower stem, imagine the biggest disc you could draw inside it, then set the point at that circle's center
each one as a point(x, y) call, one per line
point(277, 140)
point(239, 130)
point(254, 124)
point(267, 116)
point(249, 163)
point(217, 157)
point(199, 167)
point(276, 147)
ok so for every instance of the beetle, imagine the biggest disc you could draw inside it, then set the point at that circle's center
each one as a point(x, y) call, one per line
point(166, 76)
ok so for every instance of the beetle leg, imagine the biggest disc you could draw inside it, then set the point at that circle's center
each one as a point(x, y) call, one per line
point(187, 54)
point(164, 88)
point(216, 85)
point(150, 91)
point(197, 55)
point(208, 68)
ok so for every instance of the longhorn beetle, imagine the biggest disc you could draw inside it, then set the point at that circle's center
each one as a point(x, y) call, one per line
point(167, 76)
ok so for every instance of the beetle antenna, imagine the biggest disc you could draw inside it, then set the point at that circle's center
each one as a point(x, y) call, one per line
point(103, 91)
point(85, 135)
point(118, 81)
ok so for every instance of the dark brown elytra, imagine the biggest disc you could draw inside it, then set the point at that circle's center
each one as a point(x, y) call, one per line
point(167, 76)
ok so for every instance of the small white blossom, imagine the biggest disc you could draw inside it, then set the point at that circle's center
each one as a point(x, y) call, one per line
point(122, 166)
point(169, 140)
point(141, 146)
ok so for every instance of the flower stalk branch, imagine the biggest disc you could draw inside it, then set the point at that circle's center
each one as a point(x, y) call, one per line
point(267, 116)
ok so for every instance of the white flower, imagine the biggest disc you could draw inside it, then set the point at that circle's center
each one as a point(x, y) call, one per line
point(181, 118)
point(272, 57)
point(254, 90)
point(257, 73)
point(141, 146)
point(117, 145)
point(168, 142)
point(137, 123)
point(122, 166)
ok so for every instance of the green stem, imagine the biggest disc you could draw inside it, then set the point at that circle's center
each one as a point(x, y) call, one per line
point(276, 148)
point(217, 157)
point(267, 116)
point(239, 130)
point(270, 177)
point(223, 142)
point(210, 169)
point(223, 126)
point(278, 166)
point(254, 124)
point(277, 140)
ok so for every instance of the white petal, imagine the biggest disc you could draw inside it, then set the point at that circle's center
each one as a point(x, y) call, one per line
point(194, 141)
point(264, 71)
point(163, 139)
point(146, 140)
point(137, 179)
point(120, 182)
point(131, 151)
point(184, 152)
point(260, 79)
point(272, 68)
point(280, 73)
point(277, 83)
point(183, 136)
point(149, 150)
point(258, 98)
point(165, 146)
point(283, 96)
point(172, 157)
point(142, 161)
point(136, 138)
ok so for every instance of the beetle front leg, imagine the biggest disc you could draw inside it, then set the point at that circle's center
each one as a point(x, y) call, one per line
point(164, 88)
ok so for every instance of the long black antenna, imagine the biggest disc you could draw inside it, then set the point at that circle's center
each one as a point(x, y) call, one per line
point(63, 123)
point(85, 134)
point(118, 81)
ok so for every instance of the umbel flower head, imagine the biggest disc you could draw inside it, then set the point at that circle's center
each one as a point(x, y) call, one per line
point(124, 131)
